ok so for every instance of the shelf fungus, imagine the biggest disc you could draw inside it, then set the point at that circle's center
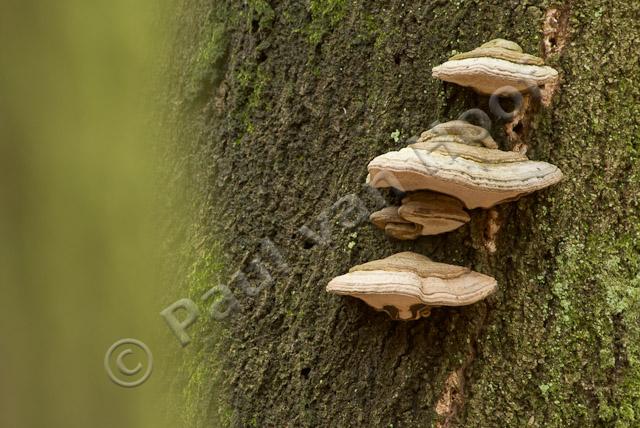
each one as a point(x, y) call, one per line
point(421, 213)
point(407, 285)
point(453, 164)
point(394, 225)
point(499, 67)
point(459, 131)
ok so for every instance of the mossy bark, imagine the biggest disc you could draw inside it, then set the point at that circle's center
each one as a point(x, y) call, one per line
point(292, 99)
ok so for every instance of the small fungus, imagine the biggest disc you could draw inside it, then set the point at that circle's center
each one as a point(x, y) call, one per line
point(395, 226)
point(422, 213)
point(461, 132)
point(496, 67)
point(436, 213)
point(407, 285)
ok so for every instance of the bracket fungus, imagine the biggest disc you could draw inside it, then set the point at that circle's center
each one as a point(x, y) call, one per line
point(394, 225)
point(452, 164)
point(421, 213)
point(459, 131)
point(407, 285)
point(436, 213)
point(496, 66)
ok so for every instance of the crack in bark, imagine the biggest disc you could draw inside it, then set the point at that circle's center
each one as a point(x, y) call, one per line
point(492, 227)
point(555, 32)
point(452, 399)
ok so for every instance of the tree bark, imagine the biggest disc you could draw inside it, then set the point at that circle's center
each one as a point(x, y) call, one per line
point(290, 100)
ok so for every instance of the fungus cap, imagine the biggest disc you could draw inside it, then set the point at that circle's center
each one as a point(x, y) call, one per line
point(407, 285)
point(385, 216)
point(395, 226)
point(459, 131)
point(422, 213)
point(479, 177)
point(497, 67)
point(436, 213)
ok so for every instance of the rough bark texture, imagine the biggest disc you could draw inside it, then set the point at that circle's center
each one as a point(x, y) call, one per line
point(290, 100)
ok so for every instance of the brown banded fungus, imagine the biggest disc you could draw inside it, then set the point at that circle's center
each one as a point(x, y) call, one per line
point(407, 285)
point(459, 131)
point(436, 213)
point(495, 67)
point(478, 176)
point(422, 213)
point(395, 226)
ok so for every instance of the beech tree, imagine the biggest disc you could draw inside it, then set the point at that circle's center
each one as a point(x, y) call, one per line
point(284, 103)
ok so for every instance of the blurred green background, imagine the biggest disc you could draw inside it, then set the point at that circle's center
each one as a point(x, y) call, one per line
point(81, 210)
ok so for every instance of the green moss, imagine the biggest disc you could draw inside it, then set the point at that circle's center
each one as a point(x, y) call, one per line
point(201, 54)
point(252, 82)
point(207, 62)
point(203, 394)
point(325, 15)
point(255, 100)
point(203, 57)
point(261, 11)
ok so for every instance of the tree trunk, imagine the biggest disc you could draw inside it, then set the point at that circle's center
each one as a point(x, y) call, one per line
point(290, 100)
